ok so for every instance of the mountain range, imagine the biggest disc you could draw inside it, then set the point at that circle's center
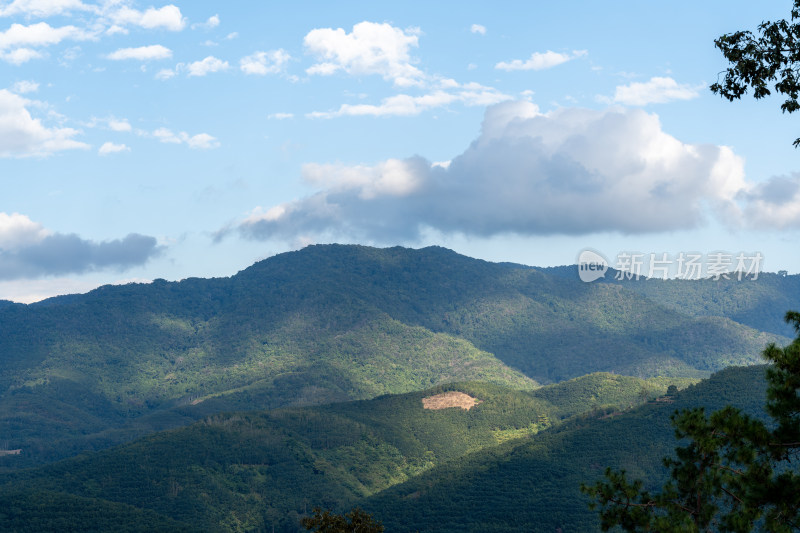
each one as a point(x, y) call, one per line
point(239, 403)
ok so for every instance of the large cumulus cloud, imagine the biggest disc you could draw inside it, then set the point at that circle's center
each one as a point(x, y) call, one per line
point(569, 171)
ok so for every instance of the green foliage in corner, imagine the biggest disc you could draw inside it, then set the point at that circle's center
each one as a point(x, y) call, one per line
point(735, 472)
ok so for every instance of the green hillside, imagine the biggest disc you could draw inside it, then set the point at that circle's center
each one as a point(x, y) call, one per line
point(327, 323)
point(549, 327)
point(759, 303)
point(256, 470)
point(533, 484)
point(38, 511)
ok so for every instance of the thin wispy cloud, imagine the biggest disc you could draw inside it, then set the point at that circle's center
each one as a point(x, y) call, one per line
point(25, 86)
point(141, 53)
point(470, 94)
point(200, 141)
point(657, 90)
point(212, 22)
point(112, 148)
point(540, 60)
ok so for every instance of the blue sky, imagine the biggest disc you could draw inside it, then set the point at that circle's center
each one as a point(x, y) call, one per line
point(148, 140)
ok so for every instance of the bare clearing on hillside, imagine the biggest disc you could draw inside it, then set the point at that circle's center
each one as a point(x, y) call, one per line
point(450, 399)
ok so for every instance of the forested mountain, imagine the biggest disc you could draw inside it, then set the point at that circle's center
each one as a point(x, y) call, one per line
point(533, 484)
point(326, 323)
point(759, 303)
point(258, 470)
point(512, 462)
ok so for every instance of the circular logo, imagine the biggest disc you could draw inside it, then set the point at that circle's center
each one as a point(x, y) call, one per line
point(591, 265)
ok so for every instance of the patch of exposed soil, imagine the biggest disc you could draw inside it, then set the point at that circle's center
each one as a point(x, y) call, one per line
point(450, 399)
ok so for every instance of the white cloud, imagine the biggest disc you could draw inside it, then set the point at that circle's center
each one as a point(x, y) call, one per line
point(42, 8)
point(25, 86)
point(20, 56)
point(141, 53)
point(281, 116)
point(393, 177)
point(111, 148)
point(206, 66)
point(371, 48)
point(68, 55)
point(569, 171)
point(262, 63)
point(22, 135)
point(201, 141)
point(112, 123)
point(540, 61)
point(40, 34)
point(656, 91)
point(116, 29)
point(168, 17)
point(167, 136)
point(478, 28)
point(212, 22)
point(398, 105)
point(165, 74)
point(470, 94)
point(119, 124)
point(17, 230)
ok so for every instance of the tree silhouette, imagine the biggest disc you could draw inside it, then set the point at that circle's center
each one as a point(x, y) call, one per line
point(356, 521)
point(758, 62)
point(736, 473)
